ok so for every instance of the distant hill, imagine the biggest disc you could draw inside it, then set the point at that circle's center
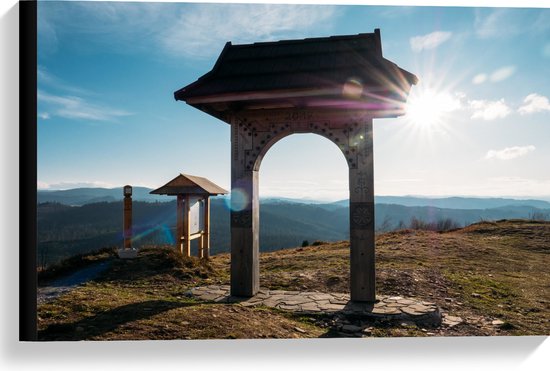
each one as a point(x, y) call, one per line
point(82, 196)
point(67, 230)
point(460, 202)
point(449, 202)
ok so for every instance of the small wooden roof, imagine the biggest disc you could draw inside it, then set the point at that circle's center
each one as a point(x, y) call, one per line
point(301, 73)
point(189, 184)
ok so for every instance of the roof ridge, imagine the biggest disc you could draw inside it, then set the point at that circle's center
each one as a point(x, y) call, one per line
point(309, 39)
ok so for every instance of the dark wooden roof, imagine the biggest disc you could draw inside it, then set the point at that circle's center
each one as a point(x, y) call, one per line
point(318, 67)
point(189, 184)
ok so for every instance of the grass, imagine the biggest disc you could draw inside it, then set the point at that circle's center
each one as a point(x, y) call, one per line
point(492, 275)
point(74, 263)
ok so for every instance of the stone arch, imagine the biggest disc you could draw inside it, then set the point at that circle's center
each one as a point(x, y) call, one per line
point(252, 135)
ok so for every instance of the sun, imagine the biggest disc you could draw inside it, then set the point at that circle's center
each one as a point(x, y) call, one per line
point(428, 107)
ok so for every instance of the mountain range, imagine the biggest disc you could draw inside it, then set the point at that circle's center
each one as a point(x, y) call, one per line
point(82, 196)
point(72, 221)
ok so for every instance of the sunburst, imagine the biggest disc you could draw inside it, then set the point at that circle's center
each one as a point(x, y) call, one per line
point(428, 107)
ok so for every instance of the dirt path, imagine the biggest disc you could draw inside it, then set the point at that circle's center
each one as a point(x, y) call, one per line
point(67, 283)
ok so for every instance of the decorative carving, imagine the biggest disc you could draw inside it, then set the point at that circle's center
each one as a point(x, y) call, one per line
point(362, 184)
point(241, 219)
point(361, 214)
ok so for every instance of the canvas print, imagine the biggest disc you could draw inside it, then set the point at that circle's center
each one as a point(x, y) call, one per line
point(261, 171)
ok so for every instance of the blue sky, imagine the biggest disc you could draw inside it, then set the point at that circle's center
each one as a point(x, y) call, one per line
point(107, 117)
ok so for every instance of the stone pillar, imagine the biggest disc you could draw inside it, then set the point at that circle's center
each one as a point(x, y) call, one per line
point(361, 191)
point(245, 215)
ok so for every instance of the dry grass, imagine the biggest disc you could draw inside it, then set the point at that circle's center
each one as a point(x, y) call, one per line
point(484, 272)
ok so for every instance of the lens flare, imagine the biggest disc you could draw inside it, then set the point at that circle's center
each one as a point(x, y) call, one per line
point(353, 88)
point(238, 201)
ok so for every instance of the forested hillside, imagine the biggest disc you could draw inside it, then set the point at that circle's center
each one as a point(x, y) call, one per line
point(68, 230)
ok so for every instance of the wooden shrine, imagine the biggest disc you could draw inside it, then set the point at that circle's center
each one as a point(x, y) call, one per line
point(193, 210)
point(331, 86)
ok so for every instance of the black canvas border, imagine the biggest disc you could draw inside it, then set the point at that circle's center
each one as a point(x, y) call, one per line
point(27, 169)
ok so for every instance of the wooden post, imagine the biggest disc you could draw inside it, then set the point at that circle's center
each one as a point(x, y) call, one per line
point(206, 234)
point(200, 250)
point(245, 262)
point(186, 228)
point(179, 223)
point(361, 208)
point(127, 234)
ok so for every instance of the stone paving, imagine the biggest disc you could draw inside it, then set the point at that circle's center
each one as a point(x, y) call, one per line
point(386, 307)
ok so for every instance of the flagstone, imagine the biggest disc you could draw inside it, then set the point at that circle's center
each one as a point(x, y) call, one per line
point(387, 307)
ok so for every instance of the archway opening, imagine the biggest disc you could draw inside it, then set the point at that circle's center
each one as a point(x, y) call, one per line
point(304, 215)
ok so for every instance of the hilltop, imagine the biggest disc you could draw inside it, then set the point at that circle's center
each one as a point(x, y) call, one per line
point(492, 275)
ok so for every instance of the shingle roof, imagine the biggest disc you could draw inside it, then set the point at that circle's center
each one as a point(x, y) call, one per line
point(189, 184)
point(323, 65)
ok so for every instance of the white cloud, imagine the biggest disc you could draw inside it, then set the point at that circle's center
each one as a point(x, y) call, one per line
point(73, 107)
point(73, 184)
point(45, 78)
point(203, 29)
point(497, 75)
point(179, 29)
point(507, 22)
point(509, 153)
point(480, 78)
point(429, 41)
point(502, 73)
point(491, 25)
point(118, 25)
point(489, 110)
point(42, 185)
point(44, 115)
point(534, 103)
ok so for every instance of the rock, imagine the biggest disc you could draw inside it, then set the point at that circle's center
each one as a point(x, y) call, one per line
point(351, 328)
point(300, 330)
point(475, 295)
point(368, 330)
point(497, 322)
point(452, 321)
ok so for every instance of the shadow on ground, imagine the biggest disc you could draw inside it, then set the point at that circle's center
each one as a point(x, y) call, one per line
point(107, 321)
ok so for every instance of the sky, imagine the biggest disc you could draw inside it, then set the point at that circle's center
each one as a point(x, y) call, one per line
point(478, 122)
